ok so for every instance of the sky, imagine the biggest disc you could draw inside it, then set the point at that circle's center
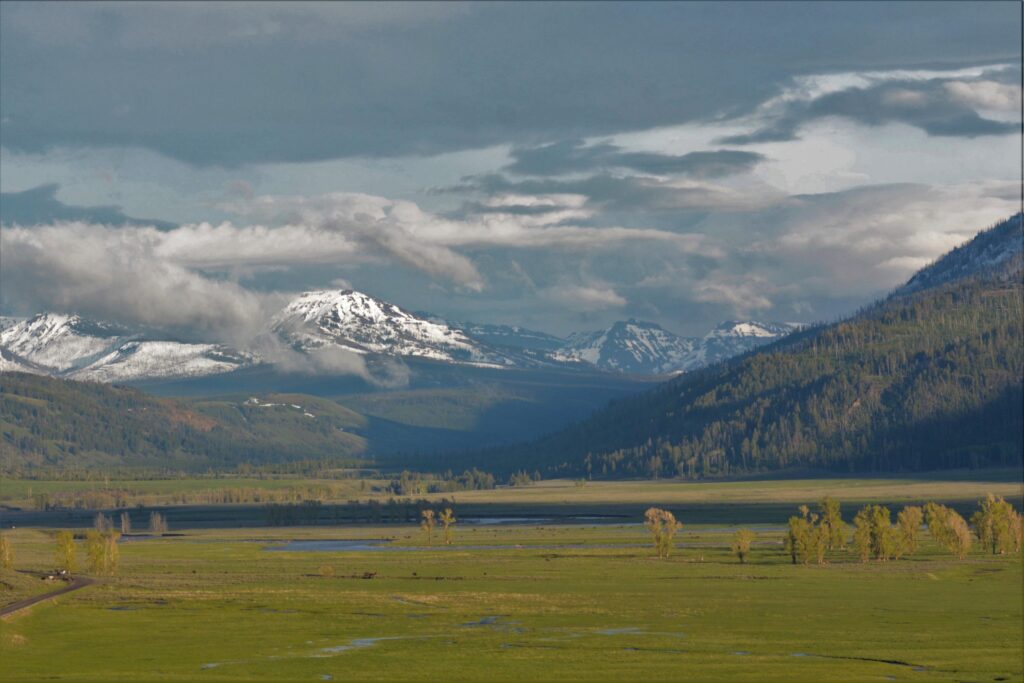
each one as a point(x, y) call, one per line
point(192, 166)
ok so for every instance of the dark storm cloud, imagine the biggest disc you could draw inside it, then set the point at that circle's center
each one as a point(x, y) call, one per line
point(211, 84)
point(40, 205)
point(939, 107)
point(573, 156)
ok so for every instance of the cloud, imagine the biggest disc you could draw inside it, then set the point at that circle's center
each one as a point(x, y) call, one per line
point(1004, 97)
point(607, 192)
point(187, 277)
point(427, 241)
point(574, 156)
point(40, 205)
point(118, 274)
point(585, 297)
point(943, 104)
point(224, 84)
point(384, 373)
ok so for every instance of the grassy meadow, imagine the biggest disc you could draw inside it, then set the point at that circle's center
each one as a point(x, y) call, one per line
point(521, 602)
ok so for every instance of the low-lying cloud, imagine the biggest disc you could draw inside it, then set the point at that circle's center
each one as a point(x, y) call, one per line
point(119, 274)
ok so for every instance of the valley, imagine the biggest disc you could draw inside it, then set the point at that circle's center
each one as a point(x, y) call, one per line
point(535, 599)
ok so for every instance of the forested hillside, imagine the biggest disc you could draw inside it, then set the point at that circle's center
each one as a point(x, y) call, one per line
point(929, 378)
point(57, 424)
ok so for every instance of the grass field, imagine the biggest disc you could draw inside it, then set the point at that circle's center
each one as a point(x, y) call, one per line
point(514, 603)
point(949, 485)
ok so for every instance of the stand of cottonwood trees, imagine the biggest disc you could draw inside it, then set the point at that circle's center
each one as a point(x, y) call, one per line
point(812, 535)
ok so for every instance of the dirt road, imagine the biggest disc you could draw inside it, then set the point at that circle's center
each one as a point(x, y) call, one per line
point(74, 585)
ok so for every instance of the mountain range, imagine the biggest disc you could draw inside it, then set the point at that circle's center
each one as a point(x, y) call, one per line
point(928, 378)
point(349, 321)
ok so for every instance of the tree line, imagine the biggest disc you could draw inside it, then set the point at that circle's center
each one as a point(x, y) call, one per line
point(930, 380)
point(811, 536)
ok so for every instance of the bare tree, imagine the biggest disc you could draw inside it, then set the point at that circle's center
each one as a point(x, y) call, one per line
point(447, 522)
point(741, 541)
point(428, 525)
point(126, 523)
point(157, 524)
point(101, 523)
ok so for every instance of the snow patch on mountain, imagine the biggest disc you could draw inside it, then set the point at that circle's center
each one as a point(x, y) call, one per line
point(645, 348)
point(631, 346)
point(989, 249)
point(733, 338)
point(70, 346)
point(59, 342)
point(138, 360)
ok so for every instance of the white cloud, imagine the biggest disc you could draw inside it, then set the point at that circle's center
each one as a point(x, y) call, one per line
point(990, 95)
point(594, 297)
point(118, 274)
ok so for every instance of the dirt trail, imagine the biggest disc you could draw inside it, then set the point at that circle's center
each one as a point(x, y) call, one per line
point(74, 585)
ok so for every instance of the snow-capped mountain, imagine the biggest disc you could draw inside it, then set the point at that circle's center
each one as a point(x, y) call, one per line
point(59, 342)
point(361, 323)
point(645, 348)
point(733, 338)
point(631, 346)
point(138, 360)
point(70, 346)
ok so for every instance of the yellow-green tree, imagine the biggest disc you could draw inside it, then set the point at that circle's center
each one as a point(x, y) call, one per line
point(874, 535)
point(806, 537)
point(995, 524)
point(66, 556)
point(663, 526)
point(741, 541)
point(94, 551)
point(428, 525)
point(831, 514)
point(6, 553)
point(948, 528)
point(909, 523)
point(111, 552)
point(862, 535)
point(652, 520)
point(447, 518)
point(102, 552)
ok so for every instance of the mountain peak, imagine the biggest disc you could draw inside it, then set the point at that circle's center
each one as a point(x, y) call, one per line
point(360, 323)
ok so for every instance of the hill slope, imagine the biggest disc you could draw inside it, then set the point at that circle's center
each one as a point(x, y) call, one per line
point(55, 424)
point(928, 378)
